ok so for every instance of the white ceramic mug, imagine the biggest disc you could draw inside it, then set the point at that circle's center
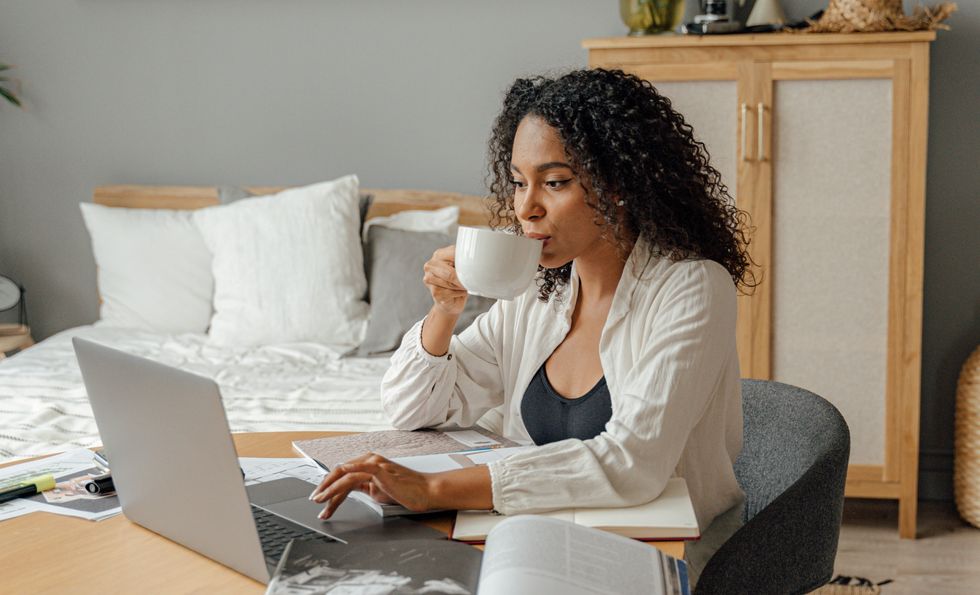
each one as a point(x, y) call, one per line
point(495, 264)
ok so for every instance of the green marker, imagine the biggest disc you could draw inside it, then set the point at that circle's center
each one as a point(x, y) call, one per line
point(28, 488)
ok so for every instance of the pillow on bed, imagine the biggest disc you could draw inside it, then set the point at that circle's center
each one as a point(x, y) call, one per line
point(228, 194)
point(398, 296)
point(154, 271)
point(444, 220)
point(287, 267)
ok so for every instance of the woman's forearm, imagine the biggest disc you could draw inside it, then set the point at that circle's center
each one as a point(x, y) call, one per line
point(462, 489)
point(437, 331)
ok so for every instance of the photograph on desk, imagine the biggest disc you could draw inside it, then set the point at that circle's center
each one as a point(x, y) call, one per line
point(409, 566)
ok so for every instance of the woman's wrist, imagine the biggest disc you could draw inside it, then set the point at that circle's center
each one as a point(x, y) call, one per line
point(437, 331)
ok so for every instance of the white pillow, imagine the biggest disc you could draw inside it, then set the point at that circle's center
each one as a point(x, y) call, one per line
point(154, 269)
point(444, 220)
point(288, 267)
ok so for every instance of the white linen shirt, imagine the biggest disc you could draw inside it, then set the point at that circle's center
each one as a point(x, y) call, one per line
point(669, 357)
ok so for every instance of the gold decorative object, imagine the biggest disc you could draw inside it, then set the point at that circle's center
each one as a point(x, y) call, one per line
point(766, 12)
point(867, 16)
point(647, 17)
point(966, 457)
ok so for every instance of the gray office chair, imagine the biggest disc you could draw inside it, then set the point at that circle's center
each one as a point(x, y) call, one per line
point(792, 469)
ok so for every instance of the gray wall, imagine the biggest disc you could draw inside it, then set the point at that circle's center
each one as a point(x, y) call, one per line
point(402, 93)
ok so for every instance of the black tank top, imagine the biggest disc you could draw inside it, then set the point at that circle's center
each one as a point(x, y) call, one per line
point(550, 417)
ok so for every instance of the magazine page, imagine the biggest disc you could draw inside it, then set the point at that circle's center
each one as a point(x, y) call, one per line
point(532, 555)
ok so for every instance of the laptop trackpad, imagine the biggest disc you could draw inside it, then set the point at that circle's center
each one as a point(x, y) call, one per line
point(290, 498)
point(278, 490)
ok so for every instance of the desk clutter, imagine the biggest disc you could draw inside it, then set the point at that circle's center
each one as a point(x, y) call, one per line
point(554, 552)
point(67, 493)
point(82, 487)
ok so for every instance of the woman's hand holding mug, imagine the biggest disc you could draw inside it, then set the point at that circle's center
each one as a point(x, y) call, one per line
point(440, 277)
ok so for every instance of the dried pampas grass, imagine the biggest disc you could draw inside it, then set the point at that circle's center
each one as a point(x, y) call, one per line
point(868, 16)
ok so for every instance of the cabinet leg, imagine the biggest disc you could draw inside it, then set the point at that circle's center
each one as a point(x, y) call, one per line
point(907, 510)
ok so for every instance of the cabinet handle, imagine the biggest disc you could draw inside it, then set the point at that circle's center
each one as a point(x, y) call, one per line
point(761, 127)
point(745, 124)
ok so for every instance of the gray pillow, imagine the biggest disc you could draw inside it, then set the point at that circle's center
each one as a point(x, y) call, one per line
point(394, 260)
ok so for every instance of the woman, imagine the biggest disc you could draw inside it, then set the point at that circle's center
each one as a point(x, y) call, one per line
point(620, 361)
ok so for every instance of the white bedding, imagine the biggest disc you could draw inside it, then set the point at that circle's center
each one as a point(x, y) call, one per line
point(301, 386)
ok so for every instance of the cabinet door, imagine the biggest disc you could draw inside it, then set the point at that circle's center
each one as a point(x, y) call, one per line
point(831, 213)
point(709, 96)
point(710, 108)
point(717, 110)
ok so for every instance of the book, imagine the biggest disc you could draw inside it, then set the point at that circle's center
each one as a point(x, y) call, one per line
point(414, 449)
point(669, 517)
point(523, 555)
point(336, 450)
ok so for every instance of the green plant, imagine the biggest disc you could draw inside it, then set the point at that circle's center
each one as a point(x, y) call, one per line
point(5, 92)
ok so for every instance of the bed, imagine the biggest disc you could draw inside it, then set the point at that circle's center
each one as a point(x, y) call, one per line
point(270, 387)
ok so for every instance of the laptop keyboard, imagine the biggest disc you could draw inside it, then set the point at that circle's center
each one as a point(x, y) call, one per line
point(275, 533)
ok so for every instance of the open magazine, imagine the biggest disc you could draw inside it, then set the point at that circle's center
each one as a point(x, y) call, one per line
point(524, 555)
point(529, 554)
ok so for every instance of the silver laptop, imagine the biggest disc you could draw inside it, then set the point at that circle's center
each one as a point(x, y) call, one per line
point(176, 471)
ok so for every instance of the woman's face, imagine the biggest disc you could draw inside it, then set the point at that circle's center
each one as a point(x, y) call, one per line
point(549, 198)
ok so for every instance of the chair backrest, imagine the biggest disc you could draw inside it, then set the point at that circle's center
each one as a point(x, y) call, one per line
point(792, 468)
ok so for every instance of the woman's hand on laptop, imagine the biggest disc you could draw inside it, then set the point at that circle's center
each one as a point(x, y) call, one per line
point(389, 482)
point(375, 475)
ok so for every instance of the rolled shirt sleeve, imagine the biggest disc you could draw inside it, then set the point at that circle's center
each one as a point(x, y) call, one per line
point(421, 390)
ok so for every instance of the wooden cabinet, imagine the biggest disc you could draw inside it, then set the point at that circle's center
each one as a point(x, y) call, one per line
point(822, 139)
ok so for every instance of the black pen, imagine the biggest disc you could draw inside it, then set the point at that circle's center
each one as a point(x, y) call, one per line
point(100, 485)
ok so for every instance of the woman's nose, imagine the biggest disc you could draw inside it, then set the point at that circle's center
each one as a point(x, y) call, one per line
point(527, 207)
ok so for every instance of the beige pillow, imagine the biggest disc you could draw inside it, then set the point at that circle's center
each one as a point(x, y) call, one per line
point(288, 267)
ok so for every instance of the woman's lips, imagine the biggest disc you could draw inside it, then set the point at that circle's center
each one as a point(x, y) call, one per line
point(540, 236)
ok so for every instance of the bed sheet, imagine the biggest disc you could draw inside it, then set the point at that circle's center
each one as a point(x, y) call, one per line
point(300, 386)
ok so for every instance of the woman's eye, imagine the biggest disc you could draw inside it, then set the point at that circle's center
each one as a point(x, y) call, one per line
point(517, 183)
point(556, 184)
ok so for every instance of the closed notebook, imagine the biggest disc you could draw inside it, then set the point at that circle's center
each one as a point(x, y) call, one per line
point(669, 517)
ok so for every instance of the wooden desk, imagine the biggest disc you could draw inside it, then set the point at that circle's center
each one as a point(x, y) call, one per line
point(44, 553)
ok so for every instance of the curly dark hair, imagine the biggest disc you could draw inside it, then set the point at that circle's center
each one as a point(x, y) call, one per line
point(626, 144)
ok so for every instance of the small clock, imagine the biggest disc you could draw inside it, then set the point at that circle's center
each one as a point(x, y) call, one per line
point(12, 296)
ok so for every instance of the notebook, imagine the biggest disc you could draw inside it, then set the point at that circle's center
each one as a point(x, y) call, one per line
point(669, 517)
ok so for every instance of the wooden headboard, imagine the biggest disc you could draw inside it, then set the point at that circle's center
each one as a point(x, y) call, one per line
point(472, 209)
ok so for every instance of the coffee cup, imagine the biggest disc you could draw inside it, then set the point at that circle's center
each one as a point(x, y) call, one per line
point(495, 264)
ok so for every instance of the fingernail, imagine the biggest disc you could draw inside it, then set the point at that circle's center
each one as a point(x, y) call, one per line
point(322, 515)
point(313, 495)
